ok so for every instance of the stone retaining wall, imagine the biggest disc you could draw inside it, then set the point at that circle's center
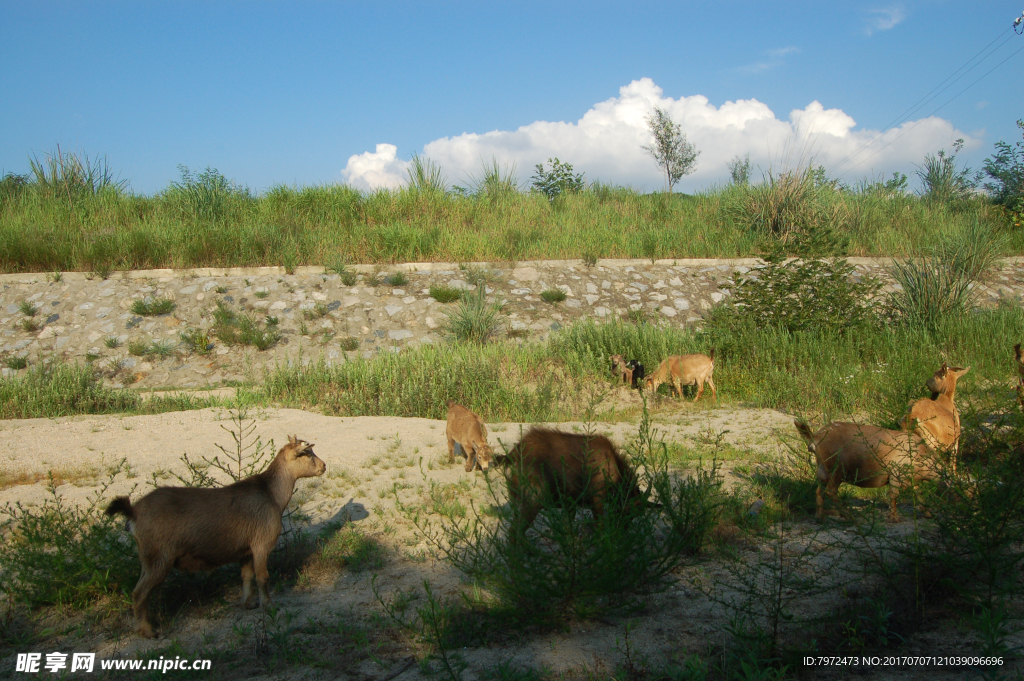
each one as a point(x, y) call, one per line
point(80, 318)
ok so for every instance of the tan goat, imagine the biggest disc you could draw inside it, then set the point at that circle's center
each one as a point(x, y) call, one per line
point(936, 419)
point(200, 528)
point(685, 370)
point(621, 370)
point(469, 431)
point(866, 456)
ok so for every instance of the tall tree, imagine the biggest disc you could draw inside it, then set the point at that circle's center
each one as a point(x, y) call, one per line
point(674, 154)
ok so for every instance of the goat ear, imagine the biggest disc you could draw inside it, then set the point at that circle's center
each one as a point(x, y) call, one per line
point(960, 372)
point(1016, 351)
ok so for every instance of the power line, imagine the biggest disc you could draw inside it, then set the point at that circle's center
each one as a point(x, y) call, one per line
point(1015, 53)
point(932, 94)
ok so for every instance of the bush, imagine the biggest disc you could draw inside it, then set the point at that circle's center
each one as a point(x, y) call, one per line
point(65, 554)
point(1006, 171)
point(553, 295)
point(798, 295)
point(942, 182)
point(931, 292)
point(560, 179)
point(205, 196)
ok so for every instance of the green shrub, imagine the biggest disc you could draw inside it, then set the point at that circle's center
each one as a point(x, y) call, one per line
point(349, 344)
point(558, 180)
point(396, 279)
point(797, 295)
point(197, 341)
point(240, 329)
point(28, 309)
point(942, 182)
point(149, 307)
point(66, 554)
point(931, 292)
point(137, 347)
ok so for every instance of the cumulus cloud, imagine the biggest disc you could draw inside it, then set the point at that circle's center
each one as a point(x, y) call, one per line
point(376, 169)
point(606, 143)
point(884, 19)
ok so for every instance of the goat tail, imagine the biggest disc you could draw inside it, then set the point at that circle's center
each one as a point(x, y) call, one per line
point(711, 355)
point(122, 505)
point(804, 429)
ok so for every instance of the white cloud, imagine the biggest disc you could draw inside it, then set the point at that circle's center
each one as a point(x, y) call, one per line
point(606, 143)
point(884, 19)
point(375, 170)
point(775, 59)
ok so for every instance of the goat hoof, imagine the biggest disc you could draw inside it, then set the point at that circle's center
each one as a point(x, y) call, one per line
point(146, 632)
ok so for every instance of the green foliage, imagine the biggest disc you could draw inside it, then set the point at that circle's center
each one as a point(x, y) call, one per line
point(496, 184)
point(558, 180)
point(474, 320)
point(346, 546)
point(137, 347)
point(205, 196)
point(553, 295)
point(349, 343)
point(197, 341)
point(1005, 170)
point(60, 553)
point(739, 170)
point(797, 295)
point(28, 309)
point(942, 182)
point(12, 187)
point(14, 362)
point(112, 342)
point(396, 279)
point(242, 329)
point(56, 389)
point(930, 292)
point(673, 153)
point(445, 294)
point(149, 306)
point(426, 176)
point(68, 177)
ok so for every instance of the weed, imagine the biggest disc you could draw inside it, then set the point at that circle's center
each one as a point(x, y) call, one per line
point(349, 343)
point(221, 289)
point(112, 342)
point(474, 320)
point(197, 341)
point(348, 278)
point(232, 328)
point(15, 362)
point(445, 294)
point(137, 347)
point(150, 306)
point(55, 277)
point(261, 295)
point(29, 325)
point(318, 311)
point(553, 295)
point(28, 309)
point(396, 279)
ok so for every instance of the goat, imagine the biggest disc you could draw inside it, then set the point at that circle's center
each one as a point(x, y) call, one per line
point(685, 370)
point(638, 372)
point(193, 528)
point(866, 456)
point(622, 369)
point(469, 431)
point(552, 465)
point(936, 419)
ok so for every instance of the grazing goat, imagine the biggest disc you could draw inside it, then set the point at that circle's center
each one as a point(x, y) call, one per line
point(1019, 357)
point(469, 431)
point(866, 456)
point(685, 370)
point(622, 369)
point(552, 465)
point(936, 419)
point(638, 372)
point(196, 528)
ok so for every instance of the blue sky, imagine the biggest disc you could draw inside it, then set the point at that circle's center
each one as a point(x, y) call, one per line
point(304, 92)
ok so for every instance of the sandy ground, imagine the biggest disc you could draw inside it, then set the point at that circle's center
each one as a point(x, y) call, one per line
point(366, 457)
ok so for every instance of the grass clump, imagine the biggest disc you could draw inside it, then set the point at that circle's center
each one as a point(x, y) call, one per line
point(553, 295)
point(445, 294)
point(29, 325)
point(241, 329)
point(112, 342)
point(474, 320)
point(197, 341)
point(28, 309)
point(55, 389)
point(149, 307)
point(14, 362)
point(349, 343)
point(318, 311)
point(396, 279)
point(137, 348)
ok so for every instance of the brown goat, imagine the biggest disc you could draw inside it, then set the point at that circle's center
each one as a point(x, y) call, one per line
point(624, 372)
point(469, 431)
point(936, 419)
point(196, 528)
point(552, 465)
point(685, 370)
point(1019, 357)
point(866, 456)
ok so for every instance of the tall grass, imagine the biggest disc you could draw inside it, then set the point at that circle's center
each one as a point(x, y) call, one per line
point(206, 220)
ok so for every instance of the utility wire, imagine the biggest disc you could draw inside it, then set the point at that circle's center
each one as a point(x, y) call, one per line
point(935, 92)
